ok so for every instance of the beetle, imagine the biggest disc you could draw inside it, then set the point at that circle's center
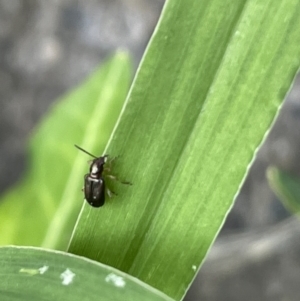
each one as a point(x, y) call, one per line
point(94, 184)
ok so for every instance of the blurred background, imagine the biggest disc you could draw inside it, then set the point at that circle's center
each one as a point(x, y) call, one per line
point(48, 47)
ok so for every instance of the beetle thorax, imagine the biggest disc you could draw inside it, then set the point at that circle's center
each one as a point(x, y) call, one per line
point(95, 170)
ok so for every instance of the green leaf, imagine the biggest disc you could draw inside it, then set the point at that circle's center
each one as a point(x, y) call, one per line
point(36, 274)
point(209, 86)
point(286, 187)
point(44, 207)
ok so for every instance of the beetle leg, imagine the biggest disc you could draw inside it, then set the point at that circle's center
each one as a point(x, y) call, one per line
point(118, 180)
point(110, 193)
point(112, 159)
point(107, 166)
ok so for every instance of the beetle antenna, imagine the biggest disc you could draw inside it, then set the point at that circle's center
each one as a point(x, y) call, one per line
point(83, 150)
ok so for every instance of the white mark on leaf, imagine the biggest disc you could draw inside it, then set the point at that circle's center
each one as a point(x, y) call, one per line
point(115, 280)
point(43, 269)
point(33, 272)
point(67, 277)
point(30, 272)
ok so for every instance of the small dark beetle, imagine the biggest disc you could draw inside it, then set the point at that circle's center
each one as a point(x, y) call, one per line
point(94, 184)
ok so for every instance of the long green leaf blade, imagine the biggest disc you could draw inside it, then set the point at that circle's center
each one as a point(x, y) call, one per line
point(36, 274)
point(206, 93)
